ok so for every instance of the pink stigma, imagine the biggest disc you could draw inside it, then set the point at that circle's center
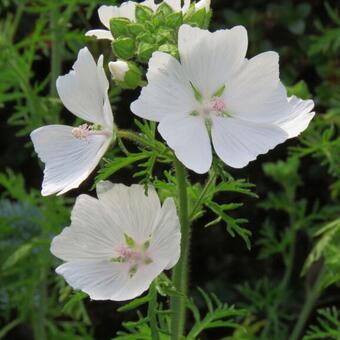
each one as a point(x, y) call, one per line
point(218, 104)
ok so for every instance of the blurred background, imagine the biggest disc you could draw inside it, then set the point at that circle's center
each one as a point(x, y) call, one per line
point(294, 223)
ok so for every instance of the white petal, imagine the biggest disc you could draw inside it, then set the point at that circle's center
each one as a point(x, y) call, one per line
point(186, 6)
point(140, 282)
point(101, 280)
point(100, 34)
point(255, 92)
point(174, 4)
point(127, 10)
point(130, 208)
point(168, 93)
point(68, 160)
point(150, 3)
point(188, 137)
point(238, 142)
point(203, 4)
point(106, 13)
point(299, 118)
point(91, 235)
point(166, 238)
point(84, 90)
point(210, 59)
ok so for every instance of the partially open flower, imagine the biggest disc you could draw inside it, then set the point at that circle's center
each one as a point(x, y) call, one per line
point(119, 243)
point(215, 93)
point(71, 153)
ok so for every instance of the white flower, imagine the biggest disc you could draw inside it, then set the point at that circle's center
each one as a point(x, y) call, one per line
point(71, 154)
point(118, 69)
point(203, 4)
point(119, 243)
point(127, 10)
point(215, 93)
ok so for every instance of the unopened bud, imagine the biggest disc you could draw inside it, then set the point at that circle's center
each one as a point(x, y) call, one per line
point(126, 74)
point(118, 69)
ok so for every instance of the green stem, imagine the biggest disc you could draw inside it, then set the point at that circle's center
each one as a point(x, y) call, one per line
point(308, 306)
point(57, 49)
point(152, 312)
point(180, 272)
point(201, 196)
point(132, 136)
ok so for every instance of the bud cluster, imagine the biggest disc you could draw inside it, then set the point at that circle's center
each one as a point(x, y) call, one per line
point(153, 31)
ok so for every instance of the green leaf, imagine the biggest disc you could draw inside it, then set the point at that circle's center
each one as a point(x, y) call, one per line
point(117, 164)
point(137, 302)
point(19, 254)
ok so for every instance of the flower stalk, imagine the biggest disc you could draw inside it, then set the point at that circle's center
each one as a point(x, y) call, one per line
point(180, 272)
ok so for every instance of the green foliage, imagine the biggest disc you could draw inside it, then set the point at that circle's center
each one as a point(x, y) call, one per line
point(328, 326)
point(296, 226)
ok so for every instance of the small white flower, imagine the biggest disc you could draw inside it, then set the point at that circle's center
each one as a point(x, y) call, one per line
point(119, 243)
point(71, 154)
point(215, 93)
point(118, 69)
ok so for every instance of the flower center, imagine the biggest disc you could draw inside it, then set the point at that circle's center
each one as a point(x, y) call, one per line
point(133, 254)
point(85, 130)
point(218, 104)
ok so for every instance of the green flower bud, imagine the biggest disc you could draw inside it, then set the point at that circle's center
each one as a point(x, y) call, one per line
point(164, 35)
point(127, 75)
point(145, 51)
point(174, 20)
point(123, 48)
point(199, 14)
point(119, 27)
point(164, 9)
point(135, 29)
point(169, 48)
point(143, 13)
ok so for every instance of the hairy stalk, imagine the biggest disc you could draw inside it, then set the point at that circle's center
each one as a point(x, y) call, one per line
point(310, 301)
point(152, 308)
point(132, 136)
point(180, 272)
point(57, 49)
point(198, 202)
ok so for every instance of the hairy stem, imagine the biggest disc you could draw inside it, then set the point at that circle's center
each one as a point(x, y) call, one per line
point(180, 272)
point(199, 200)
point(310, 301)
point(152, 312)
point(57, 49)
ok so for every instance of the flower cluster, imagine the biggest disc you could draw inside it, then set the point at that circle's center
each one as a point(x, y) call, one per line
point(204, 93)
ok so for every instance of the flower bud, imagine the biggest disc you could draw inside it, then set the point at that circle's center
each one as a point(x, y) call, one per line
point(123, 48)
point(126, 74)
point(118, 69)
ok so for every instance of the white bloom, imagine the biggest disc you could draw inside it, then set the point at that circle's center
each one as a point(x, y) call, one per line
point(119, 243)
point(215, 93)
point(127, 10)
point(71, 154)
point(118, 69)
